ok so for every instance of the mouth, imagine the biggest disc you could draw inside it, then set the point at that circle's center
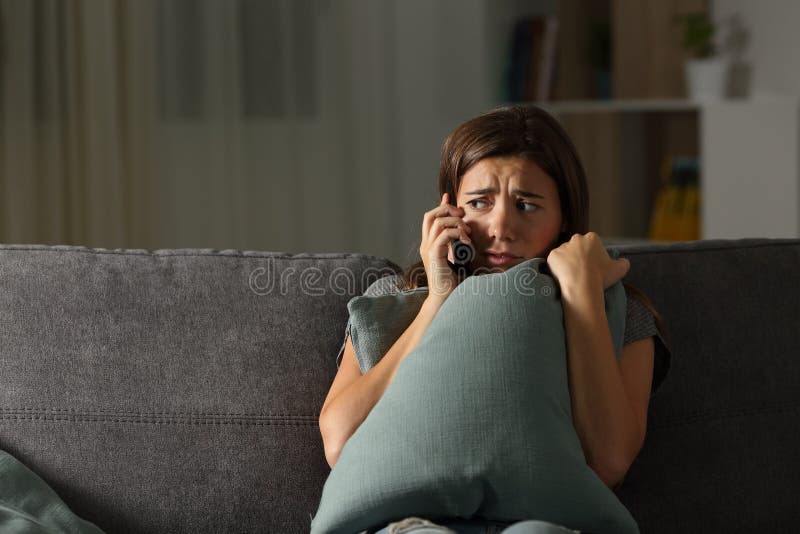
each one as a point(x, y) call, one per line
point(500, 259)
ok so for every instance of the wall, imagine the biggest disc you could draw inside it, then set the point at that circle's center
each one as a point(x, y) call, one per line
point(773, 42)
point(396, 77)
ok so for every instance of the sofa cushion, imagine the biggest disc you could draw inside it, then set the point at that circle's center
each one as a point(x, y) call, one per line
point(174, 390)
point(477, 421)
point(720, 453)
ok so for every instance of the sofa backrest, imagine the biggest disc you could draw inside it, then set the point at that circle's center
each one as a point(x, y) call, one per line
point(724, 429)
point(179, 390)
point(176, 390)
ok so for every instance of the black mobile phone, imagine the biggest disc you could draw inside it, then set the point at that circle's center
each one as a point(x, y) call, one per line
point(463, 253)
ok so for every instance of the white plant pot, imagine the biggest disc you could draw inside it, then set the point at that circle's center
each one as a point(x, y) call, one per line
point(706, 78)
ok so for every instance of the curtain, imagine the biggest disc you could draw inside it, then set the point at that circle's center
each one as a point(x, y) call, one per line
point(75, 132)
point(198, 123)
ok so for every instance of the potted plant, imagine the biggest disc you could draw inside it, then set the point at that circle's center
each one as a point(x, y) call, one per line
point(705, 69)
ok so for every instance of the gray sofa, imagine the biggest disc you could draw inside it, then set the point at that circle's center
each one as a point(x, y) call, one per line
point(178, 390)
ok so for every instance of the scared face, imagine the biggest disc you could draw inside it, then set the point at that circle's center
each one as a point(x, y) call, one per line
point(514, 210)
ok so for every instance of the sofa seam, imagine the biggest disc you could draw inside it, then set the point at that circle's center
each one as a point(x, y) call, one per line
point(684, 250)
point(721, 415)
point(165, 421)
point(132, 413)
point(212, 253)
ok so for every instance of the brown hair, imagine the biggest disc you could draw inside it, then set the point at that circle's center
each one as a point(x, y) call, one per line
point(528, 132)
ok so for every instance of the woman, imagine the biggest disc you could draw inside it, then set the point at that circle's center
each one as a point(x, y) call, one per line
point(521, 193)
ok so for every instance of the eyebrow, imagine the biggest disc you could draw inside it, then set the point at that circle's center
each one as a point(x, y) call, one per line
point(520, 192)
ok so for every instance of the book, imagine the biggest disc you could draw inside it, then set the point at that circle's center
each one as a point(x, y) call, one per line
point(676, 210)
point(544, 33)
point(530, 73)
point(516, 74)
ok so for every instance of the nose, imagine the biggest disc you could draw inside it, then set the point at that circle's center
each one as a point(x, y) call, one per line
point(501, 223)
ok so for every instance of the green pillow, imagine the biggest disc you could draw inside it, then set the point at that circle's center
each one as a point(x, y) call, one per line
point(377, 321)
point(477, 421)
point(29, 506)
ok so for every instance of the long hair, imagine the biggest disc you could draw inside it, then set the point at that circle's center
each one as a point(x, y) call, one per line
point(528, 132)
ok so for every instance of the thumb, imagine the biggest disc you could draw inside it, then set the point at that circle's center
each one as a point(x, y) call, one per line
point(616, 272)
point(623, 266)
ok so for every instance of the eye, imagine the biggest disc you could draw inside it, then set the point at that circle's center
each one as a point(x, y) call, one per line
point(474, 203)
point(529, 206)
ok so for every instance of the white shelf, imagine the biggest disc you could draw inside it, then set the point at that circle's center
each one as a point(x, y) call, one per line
point(749, 166)
point(748, 149)
point(750, 172)
point(642, 105)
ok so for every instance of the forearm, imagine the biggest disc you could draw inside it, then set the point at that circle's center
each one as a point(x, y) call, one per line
point(345, 413)
point(602, 414)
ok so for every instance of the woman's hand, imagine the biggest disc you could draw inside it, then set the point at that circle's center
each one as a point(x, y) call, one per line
point(583, 261)
point(440, 226)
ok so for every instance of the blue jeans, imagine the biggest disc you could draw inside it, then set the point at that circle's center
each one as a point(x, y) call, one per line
point(418, 525)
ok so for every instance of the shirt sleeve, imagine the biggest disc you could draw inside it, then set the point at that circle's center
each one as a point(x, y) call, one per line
point(388, 285)
point(640, 324)
point(344, 343)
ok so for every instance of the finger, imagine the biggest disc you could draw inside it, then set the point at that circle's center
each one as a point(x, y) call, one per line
point(438, 245)
point(438, 218)
point(442, 210)
point(450, 223)
point(626, 266)
point(430, 217)
point(446, 200)
point(443, 240)
point(619, 268)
